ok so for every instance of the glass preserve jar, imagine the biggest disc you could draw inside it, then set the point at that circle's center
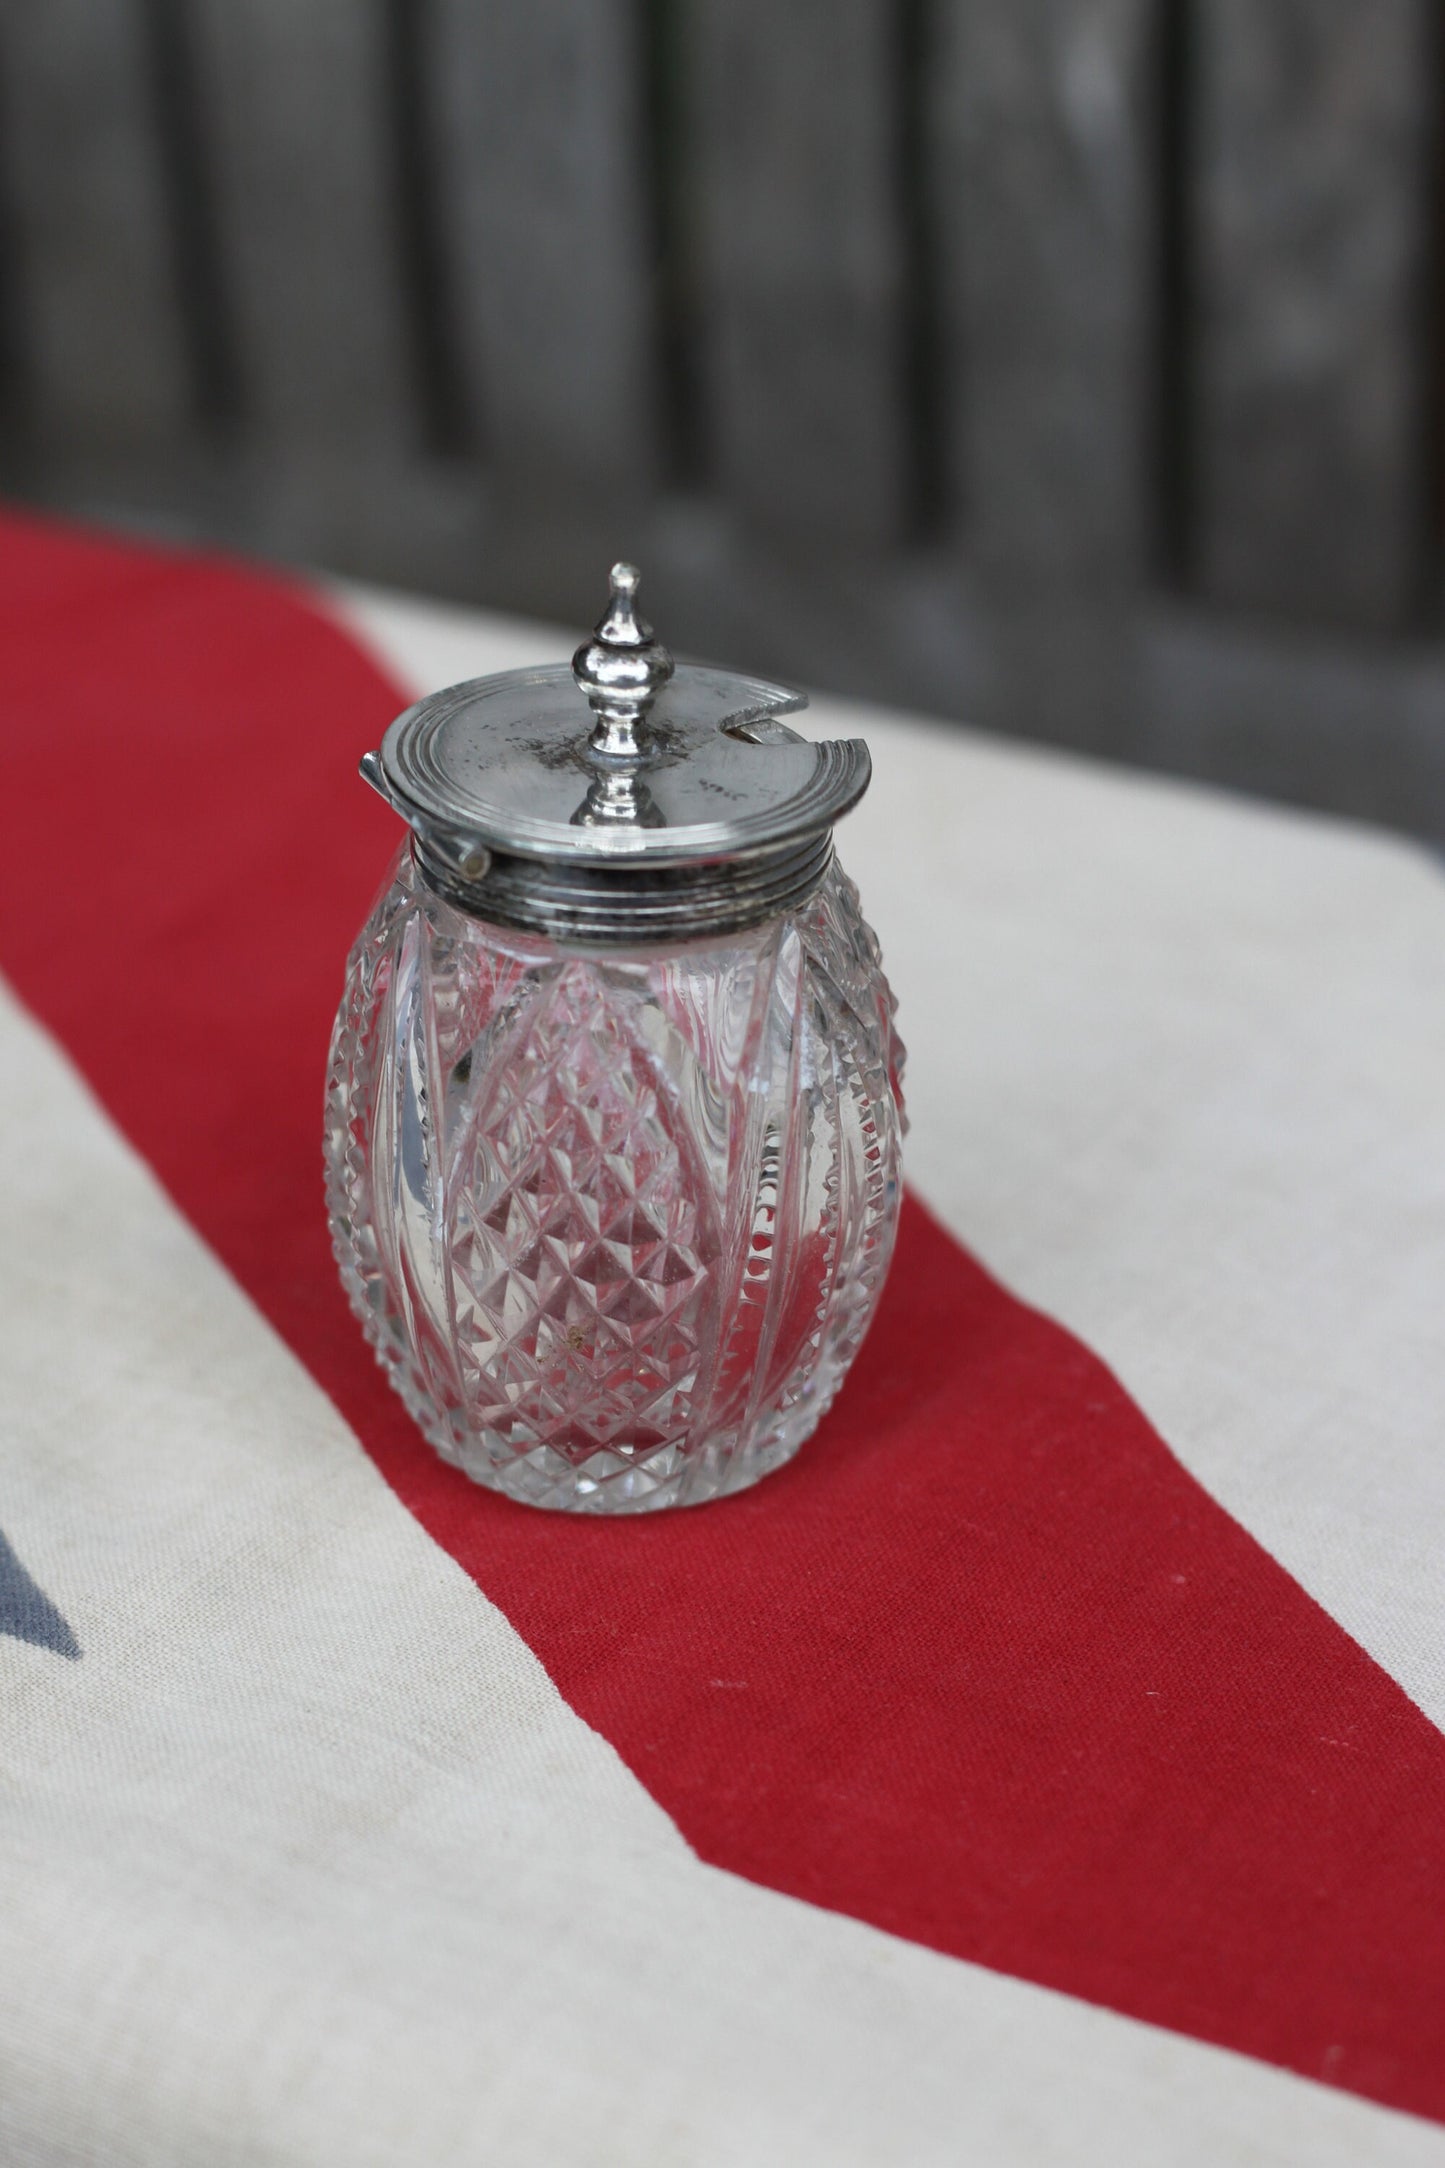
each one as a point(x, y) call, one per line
point(613, 1112)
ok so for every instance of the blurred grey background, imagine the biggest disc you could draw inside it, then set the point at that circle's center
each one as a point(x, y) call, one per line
point(1073, 367)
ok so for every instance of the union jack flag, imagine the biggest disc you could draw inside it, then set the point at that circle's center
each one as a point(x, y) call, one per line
point(1046, 1766)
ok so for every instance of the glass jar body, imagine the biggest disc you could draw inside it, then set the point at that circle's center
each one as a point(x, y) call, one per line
point(615, 1222)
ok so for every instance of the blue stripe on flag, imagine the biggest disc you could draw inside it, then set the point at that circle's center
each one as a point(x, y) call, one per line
point(27, 1612)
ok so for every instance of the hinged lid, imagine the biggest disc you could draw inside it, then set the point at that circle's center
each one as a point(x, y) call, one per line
point(624, 799)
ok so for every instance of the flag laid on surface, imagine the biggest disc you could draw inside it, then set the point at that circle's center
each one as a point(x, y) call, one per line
point(1074, 1772)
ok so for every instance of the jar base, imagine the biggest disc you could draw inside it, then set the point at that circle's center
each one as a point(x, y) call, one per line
point(609, 1481)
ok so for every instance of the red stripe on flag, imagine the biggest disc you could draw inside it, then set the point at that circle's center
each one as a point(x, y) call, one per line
point(985, 1667)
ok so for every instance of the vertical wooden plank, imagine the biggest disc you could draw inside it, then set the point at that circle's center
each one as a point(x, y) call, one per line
point(1313, 199)
point(102, 331)
point(295, 95)
point(541, 157)
point(1042, 119)
point(794, 116)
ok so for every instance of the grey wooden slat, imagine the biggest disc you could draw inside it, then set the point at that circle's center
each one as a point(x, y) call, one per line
point(1045, 222)
point(1041, 125)
point(295, 100)
point(1313, 200)
point(540, 156)
point(101, 326)
point(793, 116)
point(1306, 714)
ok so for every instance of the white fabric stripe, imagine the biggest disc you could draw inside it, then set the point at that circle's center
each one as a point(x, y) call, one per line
point(306, 1862)
point(1177, 1075)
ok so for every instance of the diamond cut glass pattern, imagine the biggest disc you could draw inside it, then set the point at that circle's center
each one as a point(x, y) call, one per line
point(615, 1222)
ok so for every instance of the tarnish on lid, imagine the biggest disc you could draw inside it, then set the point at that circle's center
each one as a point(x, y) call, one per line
point(624, 800)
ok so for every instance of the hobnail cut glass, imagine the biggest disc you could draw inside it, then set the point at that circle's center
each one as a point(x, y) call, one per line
point(614, 1222)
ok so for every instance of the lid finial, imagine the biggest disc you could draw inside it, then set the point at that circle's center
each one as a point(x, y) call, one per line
point(621, 669)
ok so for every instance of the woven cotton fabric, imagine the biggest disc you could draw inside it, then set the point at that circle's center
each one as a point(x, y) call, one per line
point(1046, 1766)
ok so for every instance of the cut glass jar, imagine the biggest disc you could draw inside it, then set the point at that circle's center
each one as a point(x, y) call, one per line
point(613, 1111)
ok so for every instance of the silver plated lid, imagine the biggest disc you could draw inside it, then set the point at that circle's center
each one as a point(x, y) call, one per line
point(622, 800)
